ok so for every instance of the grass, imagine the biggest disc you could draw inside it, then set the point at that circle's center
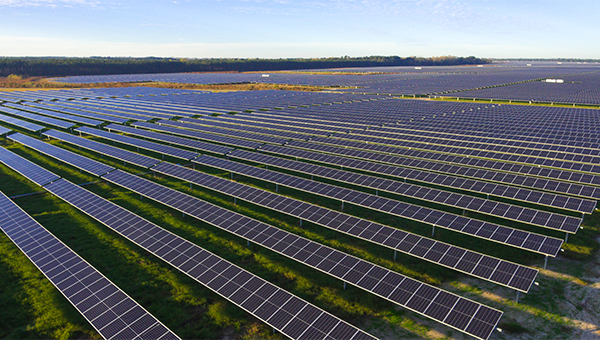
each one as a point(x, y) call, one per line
point(41, 83)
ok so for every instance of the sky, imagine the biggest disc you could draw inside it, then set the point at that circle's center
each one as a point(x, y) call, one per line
point(306, 29)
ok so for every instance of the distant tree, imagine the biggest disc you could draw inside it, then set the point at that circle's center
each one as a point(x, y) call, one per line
point(57, 66)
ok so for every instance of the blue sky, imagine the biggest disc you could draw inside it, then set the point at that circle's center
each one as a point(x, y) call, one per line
point(286, 28)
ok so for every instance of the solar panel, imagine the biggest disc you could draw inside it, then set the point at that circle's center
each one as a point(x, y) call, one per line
point(194, 144)
point(92, 104)
point(31, 171)
point(107, 308)
point(20, 123)
point(511, 212)
point(516, 179)
point(499, 190)
point(512, 275)
point(541, 168)
point(80, 162)
point(56, 107)
point(468, 145)
point(84, 108)
point(198, 135)
point(414, 295)
point(63, 116)
point(120, 154)
point(225, 132)
point(38, 118)
point(260, 298)
point(496, 233)
point(4, 130)
point(263, 129)
point(138, 143)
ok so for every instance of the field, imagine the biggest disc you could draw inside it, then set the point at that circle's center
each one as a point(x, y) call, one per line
point(563, 304)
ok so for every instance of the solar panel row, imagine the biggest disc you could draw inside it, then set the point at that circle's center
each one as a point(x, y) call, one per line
point(511, 212)
point(52, 106)
point(37, 118)
point(504, 235)
point(31, 171)
point(482, 266)
point(107, 308)
point(464, 171)
point(505, 191)
point(517, 164)
point(480, 150)
point(193, 144)
point(63, 116)
point(262, 130)
point(290, 315)
point(294, 317)
point(199, 135)
point(462, 314)
point(20, 123)
point(138, 143)
point(469, 141)
point(224, 132)
point(80, 162)
point(120, 154)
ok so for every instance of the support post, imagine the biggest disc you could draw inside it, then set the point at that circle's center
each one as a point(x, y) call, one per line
point(235, 200)
point(395, 254)
point(433, 231)
point(376, 192)
point(301, 223)
point(345, 285)
point(342, 205)
point(190, 185)
point(518, 294)
point(232, 175)
point(276, 187)
point(566, 237)
point(545, 261)
point(248, 243)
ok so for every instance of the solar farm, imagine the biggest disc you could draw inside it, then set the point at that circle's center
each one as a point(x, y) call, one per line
point(397, 203)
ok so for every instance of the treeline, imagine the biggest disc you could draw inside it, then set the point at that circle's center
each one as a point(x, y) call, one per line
point(64, 66)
